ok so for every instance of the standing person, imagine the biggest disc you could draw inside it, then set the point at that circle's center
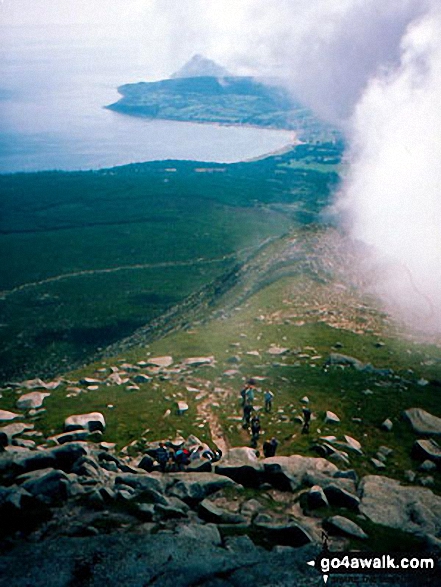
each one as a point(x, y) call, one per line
point(255, 430)
point(249, 394)
point(268, 396)
point(247, 410)
point(270, 447)
point(162, 456)
point(306, 420)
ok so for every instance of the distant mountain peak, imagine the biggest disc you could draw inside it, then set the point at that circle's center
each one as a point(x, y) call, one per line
point(200, 66)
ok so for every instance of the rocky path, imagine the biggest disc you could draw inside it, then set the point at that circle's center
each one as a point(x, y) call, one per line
point(216, 429)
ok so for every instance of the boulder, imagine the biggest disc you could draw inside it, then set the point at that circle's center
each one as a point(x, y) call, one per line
point(378, 464)
point(276, 350)
point(15, 429)
point(197, 361)
point(422, 422)
point(142, 482)
point(202, 534)
point(331, 418)
point(31, 400)
point(19, 510)
point(90, 381)
point(6, 416)
point(290, 473)
point(242, 465)
point(144, 511)
point(4, 439)
point(74, 436)
point(387, 425)
point(141, 378)
point(68, 454)
point(316, 498)
point(344, 360)
point(341, 525)
point(289, 534)
point(165, 361)
point(209, 512)
point(412, 509)
point(146, 463)
point(169, 512)
point(339, 497)
point(427, 450)
point(48, 485)
point(427, 466)
point(15, 461)
point(194, 487)
point(91, 422)
point(200, 466)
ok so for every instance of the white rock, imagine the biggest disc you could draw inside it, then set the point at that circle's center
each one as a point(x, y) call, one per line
point(91, 422)
point(196, 361)
point(5, 415)
point(164, 361)
point(332, 418)
point(31, 400)
point(276, 350)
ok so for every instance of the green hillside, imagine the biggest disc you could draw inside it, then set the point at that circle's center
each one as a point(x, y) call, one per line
point(226, 100)
point(88, 257)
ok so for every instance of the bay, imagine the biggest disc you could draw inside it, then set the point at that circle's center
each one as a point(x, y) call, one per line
point(53, 90)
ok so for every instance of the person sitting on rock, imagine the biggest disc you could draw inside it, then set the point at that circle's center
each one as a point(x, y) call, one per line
point(196, 453)
point(270, 447)
point(268, 397)
point(182, 458)
point(162, 456)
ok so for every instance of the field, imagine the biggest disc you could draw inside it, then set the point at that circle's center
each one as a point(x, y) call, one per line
point(89, 257)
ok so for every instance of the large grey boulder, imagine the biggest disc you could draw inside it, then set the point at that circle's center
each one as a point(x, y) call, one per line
point(19, 510)
point(412, 509)
point(17, 460)
point(194, 487)
point(427, 449)
point(341, 498)
point(316, 498)
point(49, 485)
point(242, 465)
point(68, 454)
point(31, 400)
point(422, 422)
point(341, 525)
point(91, 422)
point(345, 361)
point(194, 556)
point(290, 473)
point(288, 534)
point(142, 481)
point(209, 512)
point(203, 534)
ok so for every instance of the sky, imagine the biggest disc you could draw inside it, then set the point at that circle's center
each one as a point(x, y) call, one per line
point(372, 67)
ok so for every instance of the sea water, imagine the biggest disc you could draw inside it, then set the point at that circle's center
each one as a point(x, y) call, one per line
point(53, 90)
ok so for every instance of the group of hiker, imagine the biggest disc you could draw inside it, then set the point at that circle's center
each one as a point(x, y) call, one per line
point(251, 419)
point(170, 459)
point(178, 459)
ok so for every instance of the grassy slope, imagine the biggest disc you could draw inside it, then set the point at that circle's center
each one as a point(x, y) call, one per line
point(89, 257)
point(307, 312)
